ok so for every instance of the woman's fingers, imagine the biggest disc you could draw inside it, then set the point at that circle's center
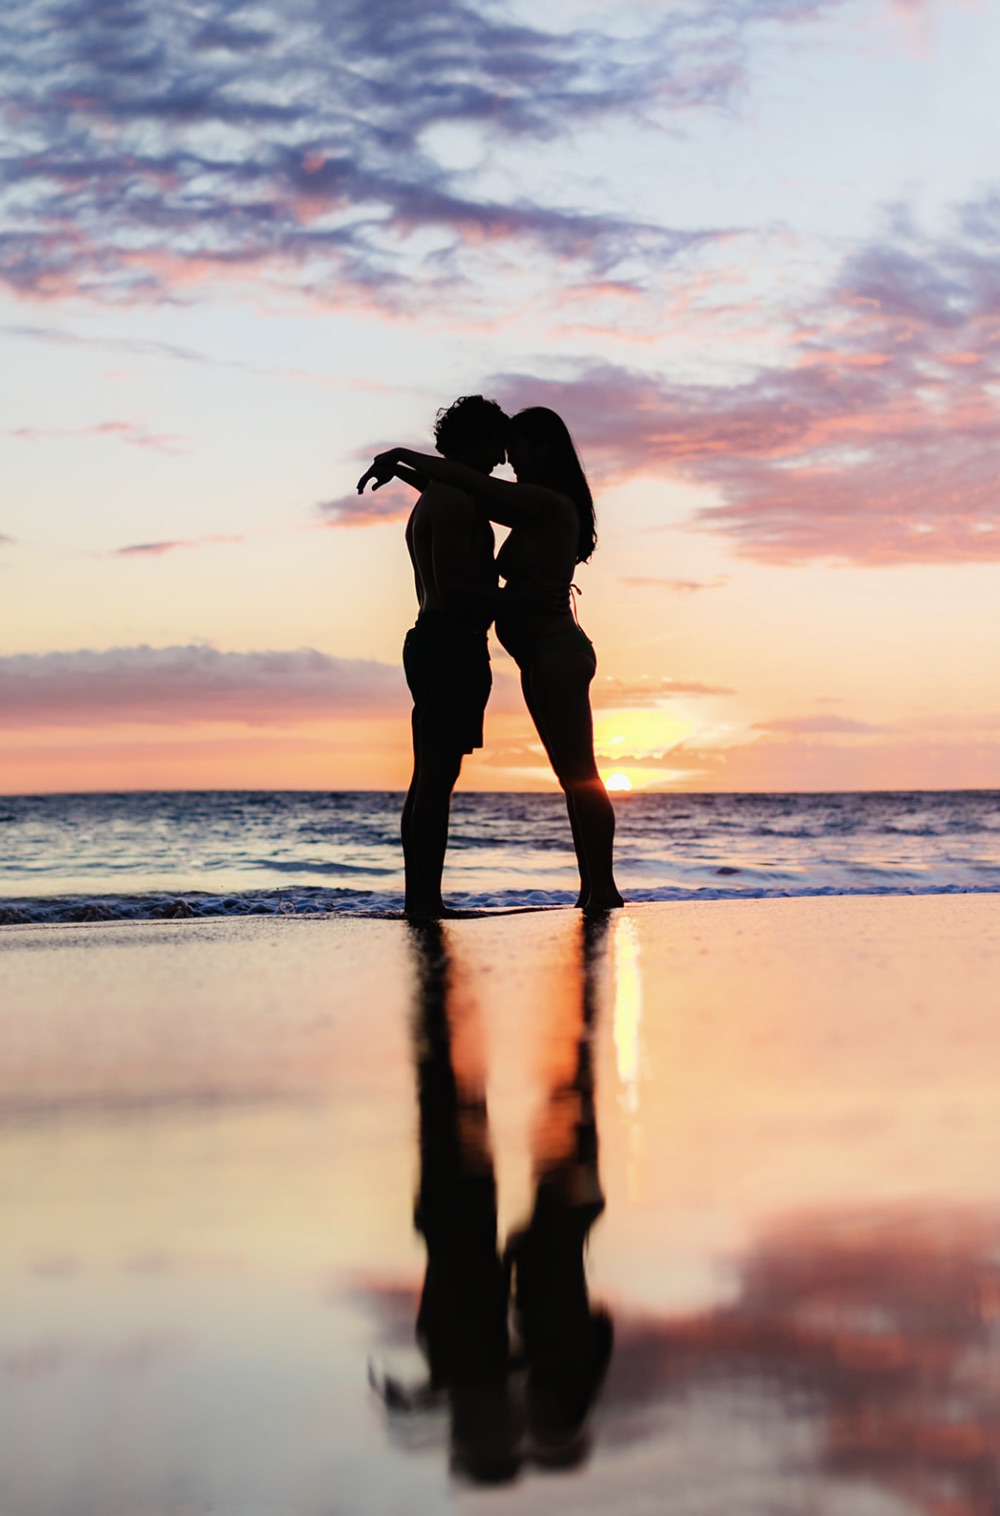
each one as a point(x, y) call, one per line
point(380, 475)
point(382, 469)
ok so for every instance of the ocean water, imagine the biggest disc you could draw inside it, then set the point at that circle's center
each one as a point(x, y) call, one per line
point(148, 855)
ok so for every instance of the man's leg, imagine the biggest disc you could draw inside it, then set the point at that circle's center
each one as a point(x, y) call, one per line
point(462, 1322)
point(425, 825)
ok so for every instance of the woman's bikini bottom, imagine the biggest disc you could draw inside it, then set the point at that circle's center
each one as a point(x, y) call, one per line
point(525, 647)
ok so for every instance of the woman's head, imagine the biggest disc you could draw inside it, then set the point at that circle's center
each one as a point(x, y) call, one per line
point(541, 451)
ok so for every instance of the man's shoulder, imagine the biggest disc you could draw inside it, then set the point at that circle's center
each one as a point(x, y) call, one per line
point(443, 502)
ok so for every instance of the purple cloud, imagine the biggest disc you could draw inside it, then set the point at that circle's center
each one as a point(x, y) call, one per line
point(145, 684)
point(150, 147)
point(150, 549)
point(158, 549)
point(390, 503)
point(877, 441)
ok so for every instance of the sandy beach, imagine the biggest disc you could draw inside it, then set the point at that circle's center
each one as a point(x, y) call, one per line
point(208, 1160)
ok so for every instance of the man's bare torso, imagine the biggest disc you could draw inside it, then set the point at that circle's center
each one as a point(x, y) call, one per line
point(451, 546)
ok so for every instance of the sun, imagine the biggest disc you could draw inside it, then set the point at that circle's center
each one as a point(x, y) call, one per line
point(618, 784)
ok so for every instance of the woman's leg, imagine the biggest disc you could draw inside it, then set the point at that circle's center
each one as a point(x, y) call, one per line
point(557, 691)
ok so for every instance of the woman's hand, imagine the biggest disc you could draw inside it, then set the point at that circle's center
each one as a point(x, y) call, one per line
point(383, 469)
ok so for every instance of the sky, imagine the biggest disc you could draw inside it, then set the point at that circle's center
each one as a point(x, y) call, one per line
point(747, 248)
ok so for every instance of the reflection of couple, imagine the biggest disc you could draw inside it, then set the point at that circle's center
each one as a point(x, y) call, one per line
point(550, 513)
point(528, 1398)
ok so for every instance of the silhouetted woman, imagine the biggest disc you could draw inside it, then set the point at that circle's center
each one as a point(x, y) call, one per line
point(550, 512)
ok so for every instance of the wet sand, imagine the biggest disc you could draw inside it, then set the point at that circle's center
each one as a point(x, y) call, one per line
point(209, 1158)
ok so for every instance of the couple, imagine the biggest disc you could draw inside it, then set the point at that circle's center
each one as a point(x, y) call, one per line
point(550, 513)
point(513, 1344)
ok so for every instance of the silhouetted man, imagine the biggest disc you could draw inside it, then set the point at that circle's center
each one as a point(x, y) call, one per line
point(445, 654)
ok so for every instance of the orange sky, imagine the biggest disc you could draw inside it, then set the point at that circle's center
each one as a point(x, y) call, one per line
point(769, 326)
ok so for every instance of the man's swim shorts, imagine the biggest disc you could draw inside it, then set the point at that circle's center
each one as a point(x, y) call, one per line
point(447, 665)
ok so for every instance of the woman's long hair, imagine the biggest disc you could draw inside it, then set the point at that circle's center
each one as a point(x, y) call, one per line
point(562, 471)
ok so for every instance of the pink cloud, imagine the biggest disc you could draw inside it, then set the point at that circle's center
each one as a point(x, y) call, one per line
point(824, 761)
point(622, 693)
point(121, 431)
point(672, 586)
point(195, 683)
point(807, 726)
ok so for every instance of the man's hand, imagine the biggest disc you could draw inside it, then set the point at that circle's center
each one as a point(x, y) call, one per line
point(383, 469)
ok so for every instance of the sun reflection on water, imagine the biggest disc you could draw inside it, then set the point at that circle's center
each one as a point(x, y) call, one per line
point(627, 1033)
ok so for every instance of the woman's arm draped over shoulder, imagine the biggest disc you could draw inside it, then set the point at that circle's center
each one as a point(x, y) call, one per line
point(418, 482)
point(504, 501)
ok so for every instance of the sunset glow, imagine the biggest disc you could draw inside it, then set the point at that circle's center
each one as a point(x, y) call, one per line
point(232, 274)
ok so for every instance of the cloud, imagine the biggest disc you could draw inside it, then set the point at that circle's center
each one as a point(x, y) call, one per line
point(806, 726)
point(391, 503)
point(152, 148)
point(149, 549)
point(158, 549)
point(877, 441)
point(672, 586)
point(785, 762)
point(962, 725)
point(150, 347)
point(519, 760)
point(195, 683)
point(621, 693)
point(6, 541)
point(120, 431)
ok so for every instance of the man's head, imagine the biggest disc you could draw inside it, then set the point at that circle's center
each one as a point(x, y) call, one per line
point(473, 431)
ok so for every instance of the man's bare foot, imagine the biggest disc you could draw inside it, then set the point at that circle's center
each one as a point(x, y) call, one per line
point(595, 904)
point(424, 910)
